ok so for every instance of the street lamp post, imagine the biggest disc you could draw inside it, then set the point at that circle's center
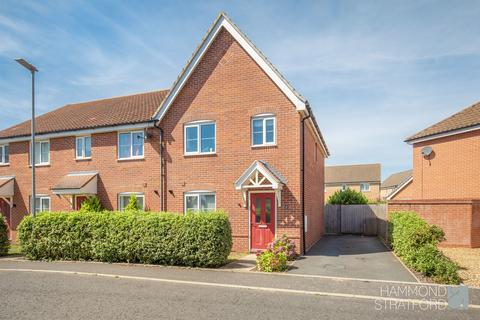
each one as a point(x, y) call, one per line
point(32, 70)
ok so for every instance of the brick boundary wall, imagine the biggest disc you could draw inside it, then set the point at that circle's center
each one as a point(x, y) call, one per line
point(459, 219)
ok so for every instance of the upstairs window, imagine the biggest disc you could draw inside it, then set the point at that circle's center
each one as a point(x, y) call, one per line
point(263, 130)
point(200, 201)
point(364, 187)
point(4, 154)
point(200, 138)
point(83, 147)
point(42, 153)
point(131, 145)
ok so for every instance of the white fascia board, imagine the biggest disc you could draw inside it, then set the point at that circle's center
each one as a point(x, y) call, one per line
point(223, 21)
point(46, 136)
point(444, 134)
point(399, 188)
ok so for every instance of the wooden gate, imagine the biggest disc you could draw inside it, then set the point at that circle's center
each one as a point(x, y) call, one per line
point(369, 220)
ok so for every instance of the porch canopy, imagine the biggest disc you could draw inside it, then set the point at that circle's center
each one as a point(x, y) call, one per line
point(7, 189)
point(261, 175)
point(76, 183)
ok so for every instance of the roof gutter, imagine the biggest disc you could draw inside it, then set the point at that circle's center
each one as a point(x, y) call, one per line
point(60, 134)
point(443, 134)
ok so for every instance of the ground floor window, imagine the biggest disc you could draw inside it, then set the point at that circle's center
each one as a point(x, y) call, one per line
point(200, 201)
point(124, 199)
point(364, 187)
point(42, 203)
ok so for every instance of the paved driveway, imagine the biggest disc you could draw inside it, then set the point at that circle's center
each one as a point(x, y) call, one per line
point(352, 257)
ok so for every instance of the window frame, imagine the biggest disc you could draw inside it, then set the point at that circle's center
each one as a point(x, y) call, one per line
point(344, 186)
point(131, 157)
point(32, 161)
point(83, 157)
point(365, 184)
point(198, 194)
point(129, 194)
point(198, 125)
point(3, 161)
point(264, 117)
point(41, 197)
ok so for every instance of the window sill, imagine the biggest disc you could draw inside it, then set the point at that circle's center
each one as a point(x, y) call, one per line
point(40, 165)
point(259, 146)
point(131, 159)
point(4, 164)
point(199, 154)
point(83, 159)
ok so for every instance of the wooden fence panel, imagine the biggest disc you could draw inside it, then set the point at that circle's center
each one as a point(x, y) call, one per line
point(356, 219)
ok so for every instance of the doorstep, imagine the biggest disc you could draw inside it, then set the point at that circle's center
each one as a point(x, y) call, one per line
point(243, 264)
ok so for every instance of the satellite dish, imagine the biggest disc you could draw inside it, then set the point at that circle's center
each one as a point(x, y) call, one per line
point(427, 151)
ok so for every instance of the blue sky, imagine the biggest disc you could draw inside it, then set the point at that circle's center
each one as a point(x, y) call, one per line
point(375, 72)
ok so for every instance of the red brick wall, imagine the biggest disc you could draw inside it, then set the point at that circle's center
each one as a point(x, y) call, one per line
point(454, 170)
point(114, 176)
point(229, 87)
point(459, 219)
point(406, 193)
point(314, 189)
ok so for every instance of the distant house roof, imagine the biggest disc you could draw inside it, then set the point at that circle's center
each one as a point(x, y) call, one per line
point(467, 118)
point(397, 179)
point(124, 110)
point(353, 173)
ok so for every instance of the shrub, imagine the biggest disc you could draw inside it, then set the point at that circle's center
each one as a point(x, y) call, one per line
point(196, 240)
point(347, 196)
point(269, 261)
point(415, 242)
point(4, 243)
point(285, 245)
point(91, 204)
point(132, 204)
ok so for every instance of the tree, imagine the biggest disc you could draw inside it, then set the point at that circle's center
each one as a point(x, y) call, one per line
point(4, 243)
point(347, 196)
point(132, 204)
point(91, 204)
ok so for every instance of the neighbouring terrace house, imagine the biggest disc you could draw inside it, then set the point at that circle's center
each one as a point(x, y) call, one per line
point(445, 187)
point(230, 134)
point(395, 182)
point(365, 178)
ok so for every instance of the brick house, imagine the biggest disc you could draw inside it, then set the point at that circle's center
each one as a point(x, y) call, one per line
point(365, 178)
point(230, 134)
point(445, 187)
point(395, 181)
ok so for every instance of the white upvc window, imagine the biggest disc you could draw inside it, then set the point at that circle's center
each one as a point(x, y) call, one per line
point(264, 130)
point(365, 187)
point(42, 203)
point(124, 199)
point(131, 145)
point(42, 153)
point(83, 147)
point(344, 187)
point(200, 138)
point(4, 154)
point(200, 201)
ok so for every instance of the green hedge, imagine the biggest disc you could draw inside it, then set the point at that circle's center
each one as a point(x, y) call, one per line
point(197, 240)
point(347, 197)
point(415, 242)
point(4, 243)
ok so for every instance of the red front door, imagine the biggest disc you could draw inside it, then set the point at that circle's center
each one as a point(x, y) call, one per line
point(262, 215)
point(78, 201)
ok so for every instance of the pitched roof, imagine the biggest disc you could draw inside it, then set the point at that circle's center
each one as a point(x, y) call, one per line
point(223, 21)
point(136, 108)
point(74, 181)
point(353, 173)
point(397, 179)
point(468, 117)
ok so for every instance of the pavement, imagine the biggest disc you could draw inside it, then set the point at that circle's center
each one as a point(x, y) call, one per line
point(354, 257)
point(86, 290)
